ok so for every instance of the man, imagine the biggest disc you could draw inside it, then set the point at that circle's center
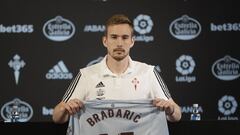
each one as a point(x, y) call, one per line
point(117, 76)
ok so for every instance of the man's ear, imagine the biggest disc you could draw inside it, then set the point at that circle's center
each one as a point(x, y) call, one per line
point(104, 38)
point(133, 41)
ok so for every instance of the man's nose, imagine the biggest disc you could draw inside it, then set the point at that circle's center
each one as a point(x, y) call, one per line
point(119, 42)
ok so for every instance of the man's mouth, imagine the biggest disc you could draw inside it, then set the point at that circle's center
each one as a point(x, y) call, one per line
point(118, 50)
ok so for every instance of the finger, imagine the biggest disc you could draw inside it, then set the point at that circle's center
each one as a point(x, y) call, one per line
point(160, 106)
point(69, 110)
point(79, 103)
point(165, 105)
point(155, 101)
point(169, 108)
point(74, 106)
point(160, 103)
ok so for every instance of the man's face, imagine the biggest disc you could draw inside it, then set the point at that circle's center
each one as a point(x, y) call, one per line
point(118, 41)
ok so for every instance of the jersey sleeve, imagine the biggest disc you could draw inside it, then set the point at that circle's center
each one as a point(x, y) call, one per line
point(76, 89)
point(159, 88)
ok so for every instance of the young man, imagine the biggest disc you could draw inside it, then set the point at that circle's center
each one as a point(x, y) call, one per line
point(117, 77)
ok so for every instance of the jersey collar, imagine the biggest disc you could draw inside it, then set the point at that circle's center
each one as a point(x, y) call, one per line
point(107, 72)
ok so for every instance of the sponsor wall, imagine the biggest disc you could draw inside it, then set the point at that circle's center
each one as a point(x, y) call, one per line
point(193, 44)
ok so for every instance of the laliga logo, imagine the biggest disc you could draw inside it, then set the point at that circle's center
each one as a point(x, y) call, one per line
point(58, 29)
point(227, 105)
point(185, 64)
point(143, 24)
point(185, 28)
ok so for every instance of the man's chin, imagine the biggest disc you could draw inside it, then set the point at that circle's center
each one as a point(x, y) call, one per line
point(119, 58)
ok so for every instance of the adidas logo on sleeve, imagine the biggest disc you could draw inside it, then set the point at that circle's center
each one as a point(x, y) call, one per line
point(59, 71)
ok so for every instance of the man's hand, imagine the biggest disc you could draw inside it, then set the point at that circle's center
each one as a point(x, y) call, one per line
point(164, 105)
point(73, 106)
point(63, 110)
point(171, 109)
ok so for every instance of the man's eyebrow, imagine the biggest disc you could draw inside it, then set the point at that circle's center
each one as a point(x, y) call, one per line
point(124, 35)
point(113, 35)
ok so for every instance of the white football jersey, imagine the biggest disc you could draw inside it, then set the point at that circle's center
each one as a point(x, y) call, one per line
point(139, 81)
point(118, 117)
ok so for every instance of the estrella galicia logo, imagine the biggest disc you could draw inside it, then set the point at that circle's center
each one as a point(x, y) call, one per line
point(227, 105)
point(185, 28)
point(16, 111)
point(59, 29)
point(226, 68)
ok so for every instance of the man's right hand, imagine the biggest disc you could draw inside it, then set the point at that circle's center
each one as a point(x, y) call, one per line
point(63, 110)
point(73, 106)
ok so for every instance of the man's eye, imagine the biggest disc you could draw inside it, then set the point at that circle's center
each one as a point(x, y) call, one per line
point(114, 37)
point(125, 37)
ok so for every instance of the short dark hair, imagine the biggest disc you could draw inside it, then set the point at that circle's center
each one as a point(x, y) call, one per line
point(118, 19)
